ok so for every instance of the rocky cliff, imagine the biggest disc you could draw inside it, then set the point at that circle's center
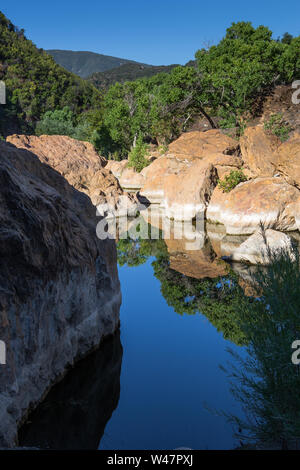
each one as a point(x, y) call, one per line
point(60, 293)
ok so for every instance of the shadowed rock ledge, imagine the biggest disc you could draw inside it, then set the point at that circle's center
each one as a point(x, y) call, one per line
point(60, 293)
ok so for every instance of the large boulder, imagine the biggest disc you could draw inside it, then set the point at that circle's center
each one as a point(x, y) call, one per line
point(260, 200)
point(116, 167)
point(259, 151)
point(80, 164)
point(198, 144)
point(131, 180)
point(258, 247)
point(155, 175)
point(289, 160)
point(60, 293)
point(187, 194)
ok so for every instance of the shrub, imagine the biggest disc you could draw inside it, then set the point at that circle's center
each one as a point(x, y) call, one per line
point(136, 157)
point(58, 122)
point(278, 126)
point(265, 380)
point(232, 180)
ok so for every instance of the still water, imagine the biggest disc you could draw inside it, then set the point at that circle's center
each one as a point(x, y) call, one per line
point(156, 385)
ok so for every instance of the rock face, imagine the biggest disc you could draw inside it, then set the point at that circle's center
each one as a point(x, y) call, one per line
point(80, 164)
point(289, 160)
point(260, 200)
point(60, 293)
point(186, 195)
point(259, 151)
point(198, 144)
point(254, 249)
point(131, 180)
point(156, 173)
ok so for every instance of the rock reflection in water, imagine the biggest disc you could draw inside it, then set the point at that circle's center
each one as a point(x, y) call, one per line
point(76, 411)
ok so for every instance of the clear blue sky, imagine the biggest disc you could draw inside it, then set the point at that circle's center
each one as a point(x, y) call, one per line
point(151, 31)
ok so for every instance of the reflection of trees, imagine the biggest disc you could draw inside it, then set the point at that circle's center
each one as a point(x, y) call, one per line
point(215, 298)
point(267, 383)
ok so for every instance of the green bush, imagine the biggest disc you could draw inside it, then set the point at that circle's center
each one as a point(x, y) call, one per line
point(232, 180)
point(58, 122)
point(278, 126)
point(265, 380)
point(136, 157)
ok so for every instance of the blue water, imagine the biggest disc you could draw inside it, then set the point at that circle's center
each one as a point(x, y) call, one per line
point(170, 372)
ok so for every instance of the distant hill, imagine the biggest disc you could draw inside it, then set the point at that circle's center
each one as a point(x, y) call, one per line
point(126, 72)
point(85, 63)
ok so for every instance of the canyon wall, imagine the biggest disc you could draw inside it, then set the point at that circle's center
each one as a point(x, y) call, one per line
point(60, 293)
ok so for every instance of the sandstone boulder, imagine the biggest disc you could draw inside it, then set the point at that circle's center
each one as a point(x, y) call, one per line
point(259, 151)
point(80, 164)
point(198, 144)
point(259, 200)
point(187, 194)
point(115, 167)
point(156, 173)
point(131, 180)
point(289, 160)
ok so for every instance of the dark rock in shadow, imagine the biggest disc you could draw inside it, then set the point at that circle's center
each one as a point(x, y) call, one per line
point(76, 411)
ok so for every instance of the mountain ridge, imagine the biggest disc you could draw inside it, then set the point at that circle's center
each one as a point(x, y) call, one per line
point(85, 63)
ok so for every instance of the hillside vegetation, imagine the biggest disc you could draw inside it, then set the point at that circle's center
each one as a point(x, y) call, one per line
point(225, 85)
point(35, 83)
point(84, 63)
point(125, 73)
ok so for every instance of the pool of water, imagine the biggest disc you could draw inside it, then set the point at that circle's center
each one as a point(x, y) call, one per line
point(160, 389)
point(170, 374)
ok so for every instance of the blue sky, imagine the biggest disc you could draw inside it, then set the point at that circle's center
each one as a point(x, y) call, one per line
point(153, 31)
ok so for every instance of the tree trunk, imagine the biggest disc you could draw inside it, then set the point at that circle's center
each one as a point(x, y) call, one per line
point(211, 122)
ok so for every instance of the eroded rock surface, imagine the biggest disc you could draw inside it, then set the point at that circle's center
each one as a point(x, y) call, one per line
point(259, 200)
point(260, 151)
point(60, 293)
point(80, 164)
point(198, 144)
point(187, 194)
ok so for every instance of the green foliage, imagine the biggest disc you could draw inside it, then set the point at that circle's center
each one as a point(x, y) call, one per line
point(277, 126)
point(35, 84)
point(232, 180)
point(136, 157)
point(267, 382)
point(244, 63)
point(56, 122)
point(126, 72)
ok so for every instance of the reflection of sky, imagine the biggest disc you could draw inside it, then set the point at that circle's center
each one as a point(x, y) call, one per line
point(169, 371)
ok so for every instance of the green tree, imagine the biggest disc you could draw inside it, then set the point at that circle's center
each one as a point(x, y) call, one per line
point(244, 64)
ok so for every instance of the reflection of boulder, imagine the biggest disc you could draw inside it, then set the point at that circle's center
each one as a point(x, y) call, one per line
point(76, 411)
point(254, 249)
point(197, 264)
